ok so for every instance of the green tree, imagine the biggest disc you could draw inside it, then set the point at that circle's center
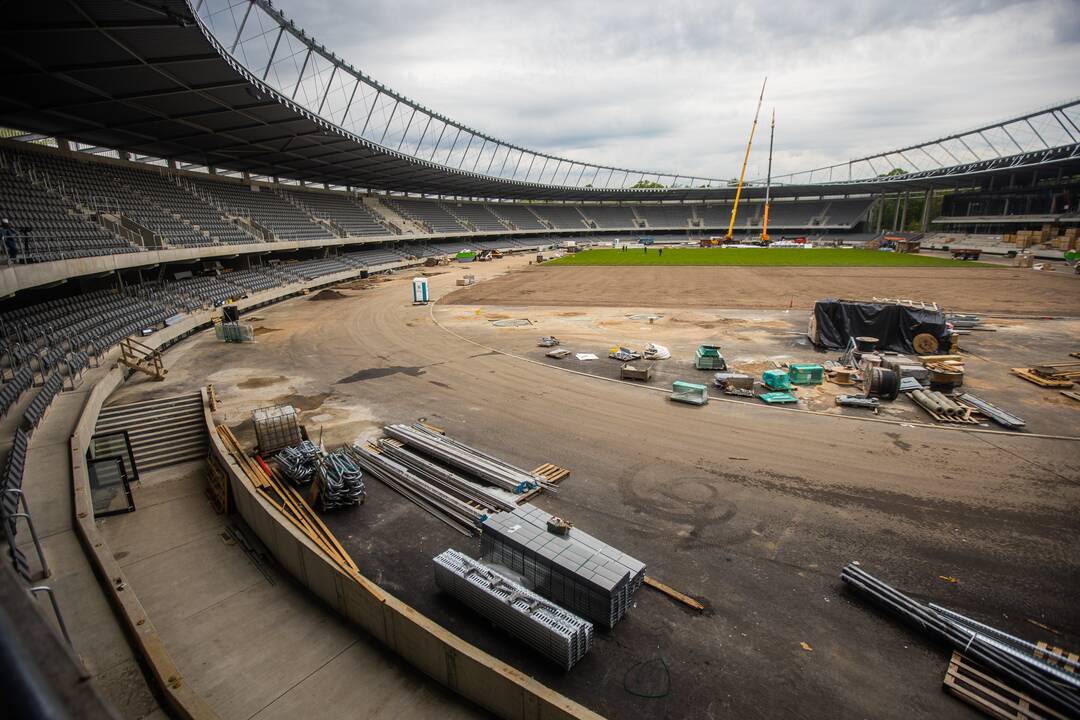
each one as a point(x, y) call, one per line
point(648, 184)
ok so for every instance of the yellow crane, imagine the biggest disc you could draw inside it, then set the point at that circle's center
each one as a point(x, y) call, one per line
point(768, 181)
point(746, 158)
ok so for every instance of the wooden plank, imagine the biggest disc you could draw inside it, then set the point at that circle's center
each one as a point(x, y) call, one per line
point(1070, 394)
point(673, 593)
point(1044, 382)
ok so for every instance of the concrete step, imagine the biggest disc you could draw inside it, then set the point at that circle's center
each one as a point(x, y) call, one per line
point(153, 462)
point(153, 402)
point(179, 415)
point(163, 431)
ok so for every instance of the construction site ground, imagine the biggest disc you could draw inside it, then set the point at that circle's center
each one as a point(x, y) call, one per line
point(1005, 290)
point(751, 510)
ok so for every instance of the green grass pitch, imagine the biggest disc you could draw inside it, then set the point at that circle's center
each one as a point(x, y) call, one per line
point(794, 257)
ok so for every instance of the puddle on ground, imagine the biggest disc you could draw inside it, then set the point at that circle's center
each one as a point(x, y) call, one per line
point(264, 330)
point(260, 382)
point(302, 402)
point(380, 372)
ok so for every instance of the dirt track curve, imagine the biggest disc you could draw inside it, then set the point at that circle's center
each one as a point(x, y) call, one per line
point(753, 512)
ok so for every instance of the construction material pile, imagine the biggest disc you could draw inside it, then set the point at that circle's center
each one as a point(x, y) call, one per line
point(454, 511)
point(575, 570)
point(276, 427)
point(1010, 658)
point(456, 454)
point(299, 463)
point(341, 484)
point(549, 629)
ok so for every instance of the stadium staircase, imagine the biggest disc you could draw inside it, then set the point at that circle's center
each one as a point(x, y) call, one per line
point(397, 223)
point(163, 431)
point(331, 227)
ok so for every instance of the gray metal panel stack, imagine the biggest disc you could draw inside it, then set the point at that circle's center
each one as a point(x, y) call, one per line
point(574, 570)
point(551, 630)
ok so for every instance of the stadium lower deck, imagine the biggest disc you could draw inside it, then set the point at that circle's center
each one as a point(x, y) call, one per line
point(749, 509)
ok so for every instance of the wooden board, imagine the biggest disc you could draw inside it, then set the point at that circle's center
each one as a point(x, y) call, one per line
point(1070, 394)
point(965, 419)
point(1044, 382)
point(673, 593)
point(1055, 655)
point(973, 685)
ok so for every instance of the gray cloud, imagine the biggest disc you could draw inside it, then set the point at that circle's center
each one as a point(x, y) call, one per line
point(672, 86)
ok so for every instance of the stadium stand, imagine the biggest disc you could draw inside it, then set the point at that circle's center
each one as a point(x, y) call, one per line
point(519, 217)
point(664, 216)
point(340, 209)
point(561, 217)
point(610, 216)
point(264, 206)
point(430, 214)
point(56, 230)
point(479, 216)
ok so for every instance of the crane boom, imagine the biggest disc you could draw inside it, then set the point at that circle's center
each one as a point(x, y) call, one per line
point(746, 158)
point(768, 181)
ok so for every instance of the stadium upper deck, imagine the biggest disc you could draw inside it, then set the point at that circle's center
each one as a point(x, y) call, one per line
point(234, 84)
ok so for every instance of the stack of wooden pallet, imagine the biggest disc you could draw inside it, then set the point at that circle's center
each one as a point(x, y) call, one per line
point(1056, 375)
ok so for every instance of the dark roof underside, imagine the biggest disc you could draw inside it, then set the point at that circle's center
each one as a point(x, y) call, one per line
point(140, 76)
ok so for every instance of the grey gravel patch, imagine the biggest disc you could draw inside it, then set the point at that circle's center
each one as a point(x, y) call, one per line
point(645, 317)
point(515, 322)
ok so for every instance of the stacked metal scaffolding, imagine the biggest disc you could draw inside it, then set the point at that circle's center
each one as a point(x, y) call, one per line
point(498, 473)
point(549, 629)
point(440, 503)
point(573, 569)
point(1011, 659)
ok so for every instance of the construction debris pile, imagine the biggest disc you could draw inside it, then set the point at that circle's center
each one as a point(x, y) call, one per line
point(1009, 658)
point(549, 629)
point(574, 569)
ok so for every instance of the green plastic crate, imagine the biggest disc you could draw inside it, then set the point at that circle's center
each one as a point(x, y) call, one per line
point(806, 374)
point(778, 398)
point(689, 393)
point(776, 379)
point(708, 357)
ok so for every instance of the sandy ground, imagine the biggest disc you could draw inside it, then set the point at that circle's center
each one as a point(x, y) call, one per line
point(999, 290)
point(753, 511)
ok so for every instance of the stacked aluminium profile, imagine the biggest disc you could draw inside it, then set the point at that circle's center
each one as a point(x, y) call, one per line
point(549, 629)
point(418, 490)
point(1003, 655)
point(575, 570)
point(448, 480)
point(498, 473)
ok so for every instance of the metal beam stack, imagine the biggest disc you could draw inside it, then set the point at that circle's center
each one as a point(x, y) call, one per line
point(549, 629)
point(1011, 659)
point(398, 477)
point(575, 570)
point(445, 479)
point(461, 456)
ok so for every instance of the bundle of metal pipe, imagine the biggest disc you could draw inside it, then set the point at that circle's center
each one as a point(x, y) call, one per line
point(414, 488)
point(299, 463)
point(463, 457)
point(551, 630)
point(1005, 419)
point(1001, 654)
point(938, 403)
point(448, 480)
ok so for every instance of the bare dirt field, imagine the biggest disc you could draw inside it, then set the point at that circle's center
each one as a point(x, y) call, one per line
point(983, 290)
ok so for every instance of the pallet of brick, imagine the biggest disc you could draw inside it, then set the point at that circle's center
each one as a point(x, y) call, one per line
point(553, 631)
point(567, 566)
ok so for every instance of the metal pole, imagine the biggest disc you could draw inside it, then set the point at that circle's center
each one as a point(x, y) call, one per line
point(746, 159)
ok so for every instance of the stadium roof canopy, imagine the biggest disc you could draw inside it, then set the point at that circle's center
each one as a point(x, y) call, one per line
point(234, 84)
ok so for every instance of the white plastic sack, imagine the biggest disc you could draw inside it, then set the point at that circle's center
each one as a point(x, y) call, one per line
point(656, 352)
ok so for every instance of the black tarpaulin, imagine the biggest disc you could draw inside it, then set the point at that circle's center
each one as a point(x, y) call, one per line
point(893, 325)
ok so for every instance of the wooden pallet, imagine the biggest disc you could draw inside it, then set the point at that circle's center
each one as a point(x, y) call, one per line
point(973, 685)
point(965, 419)
point(1039, 380)
point(1055, 655)
point(552, 473)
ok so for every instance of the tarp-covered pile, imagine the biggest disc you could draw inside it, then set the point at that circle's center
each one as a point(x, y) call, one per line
point(894, 325)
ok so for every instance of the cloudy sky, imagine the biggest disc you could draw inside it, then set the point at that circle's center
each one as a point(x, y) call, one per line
point(671, 86)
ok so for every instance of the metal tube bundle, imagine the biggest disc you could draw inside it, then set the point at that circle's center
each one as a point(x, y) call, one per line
point(299, 463)
point(996, 651)
point(342, 481)
point(465, 458)
point(443, 478)
point(414, 488)
point(551, 630)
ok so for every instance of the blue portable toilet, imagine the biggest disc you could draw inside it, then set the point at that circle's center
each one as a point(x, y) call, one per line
point(420, 291)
